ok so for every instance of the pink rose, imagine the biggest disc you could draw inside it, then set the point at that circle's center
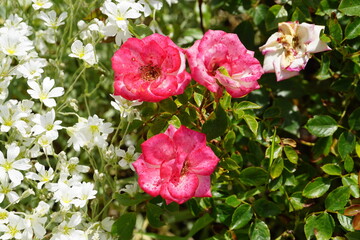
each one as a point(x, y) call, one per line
point(176, 164)
point(219, 60)
point(288, 50)
point(149, 69)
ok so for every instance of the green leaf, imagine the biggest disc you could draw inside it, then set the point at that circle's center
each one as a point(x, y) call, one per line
point(232, 201)
point(252, 123)
point(352, 182)
point(260, 13)
point(229, 141)
point(216, 124)
point(346, 144)
point(200, 224)
point(276, 167)
point(259, 231)
point(354, 119)
point(298, 15)
point(254, 176)
point(323, 72)
point(296, 202)
point(158, 125)
point(140, 31)
point(321, 126)
point(272, 112)
point(127, 200)
point(352, 30)
point(322, 147)
point(337, 199)
point(353, 235)
point(264, 208)
point(321, 226)
point(348, 164)
point(275, 15)
point(316, 188)
point(346, 222)
point(357, 149)
point(241, 216)
point(326, 7)
point(331, 169)
point(245, 105)
point(124, 226)
point(168, 105)
point(153, 213)
point(335, 30)
point(350, 7)
point(291, 154)
point(198, 98)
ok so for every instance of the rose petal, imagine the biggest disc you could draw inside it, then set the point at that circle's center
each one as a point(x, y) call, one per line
point(158, 149)
point(204, 187)
point(149, 177)
point(186, 140)
point(202, 161)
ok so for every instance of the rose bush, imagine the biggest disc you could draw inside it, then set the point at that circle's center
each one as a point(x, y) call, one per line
point(219, 60)
point(149, 69)
point(176, 164)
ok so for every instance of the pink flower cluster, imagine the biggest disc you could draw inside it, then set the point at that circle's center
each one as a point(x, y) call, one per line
point(176, 164)
point(153, 68)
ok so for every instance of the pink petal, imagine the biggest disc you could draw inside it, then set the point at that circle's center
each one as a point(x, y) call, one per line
point(186, 140)
point(153, 54)
point(158, 149)
point(204, 188)
point(149, 177)
point(172, 62)
point(184, 187)
point(164, 86)
point(170, 131)
point(202, 161)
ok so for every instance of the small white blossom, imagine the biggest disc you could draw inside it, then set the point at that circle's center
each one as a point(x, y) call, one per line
point(6, 190)
point(51, 20)
point(38, 4)
point(31, 69)
point(67, 229)
point(14, 228)
point(43, 176)
point(126, 107)
point(45, 93)
point(86, 53)
point(127, 158)
point(85, 192)
point(46, 123)
point(14, 44)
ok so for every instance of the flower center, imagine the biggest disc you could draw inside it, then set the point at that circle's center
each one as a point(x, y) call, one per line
point(185, 168)
point(3, 215)
point(13, 231)
point(150, 72)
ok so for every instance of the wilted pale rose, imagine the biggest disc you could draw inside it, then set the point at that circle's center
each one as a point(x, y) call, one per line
point(220, 60)
point(176, 165)
point(149, 69)
point(288, 50)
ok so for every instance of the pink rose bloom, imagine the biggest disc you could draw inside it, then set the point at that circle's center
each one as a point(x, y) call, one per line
point(288, 50)
point(149, 69)
point(176, 164)
point(220, 60)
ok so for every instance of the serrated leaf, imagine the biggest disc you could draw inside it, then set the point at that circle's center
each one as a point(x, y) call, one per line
point(232, 201)
point(259, 231)
point(260, 13)
point(332, 169)
point(254, 176)
point(229, 141)
point(351, 182)
point(348, 164)
point(321, 226)
point(352, 30)
point(345, 222)
point(198, 98)
point(296, 202)
point(124, 226)
point(346, 144)
point(323, 72)
point(350, 7)
point(316, 188)
point(242, 215)
point(275, 15)
point(291, 154)
point(335, 30)
point(252, 123)
point(322, 126)
point(337, 199)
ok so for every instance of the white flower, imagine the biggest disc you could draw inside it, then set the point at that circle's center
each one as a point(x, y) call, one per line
point(124, 106)
point(6, 190)
point(15, 23)
point(288, 50)
point(46, 92)
point(46, 123)
point(6, 70)
point(31, 69)
point(14, 44)
point(4, 92)
point(120, 12)
point(65, 195)
point(43, 176)
point(121, 34)
point(4, 216)
point(67, 230)
point(86, 53)
point(85, 192)
point(51, 20)
point(156, 4)
point(11, 117)
point(38, 4)
point(34, 224)
point(9, 167)
point(72, 166)
point(13, 228)
point(131, 189)
point(127, 157)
